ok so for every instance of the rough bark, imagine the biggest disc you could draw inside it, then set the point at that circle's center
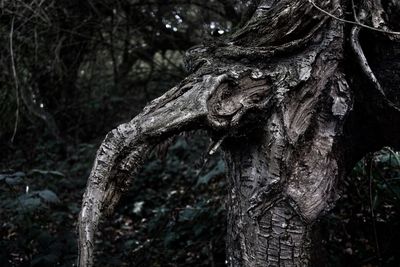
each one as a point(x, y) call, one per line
point(278, 96)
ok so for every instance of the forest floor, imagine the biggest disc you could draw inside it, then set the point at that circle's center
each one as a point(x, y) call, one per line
point(174, 212)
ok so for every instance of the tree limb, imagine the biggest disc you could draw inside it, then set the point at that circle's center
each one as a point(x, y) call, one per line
point(125, 148)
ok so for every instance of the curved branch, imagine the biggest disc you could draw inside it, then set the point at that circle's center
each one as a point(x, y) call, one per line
point(365, 66)
point(125, 148)
point(40, 112)
point(356, 46)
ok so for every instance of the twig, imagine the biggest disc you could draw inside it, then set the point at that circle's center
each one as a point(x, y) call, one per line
point(352, 22)
point(372, 210)
point(353, 6)
point(214, 147)
point(14, 71)
point(211, 151)
point(394, 155)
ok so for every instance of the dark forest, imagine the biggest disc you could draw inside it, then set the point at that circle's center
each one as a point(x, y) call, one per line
point(71, 71)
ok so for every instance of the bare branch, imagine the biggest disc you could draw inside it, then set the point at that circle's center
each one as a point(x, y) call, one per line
point(14, 71)
point(125, 148)
point(353, 22)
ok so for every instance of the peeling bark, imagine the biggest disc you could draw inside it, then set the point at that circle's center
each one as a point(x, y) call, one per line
point(278, 95)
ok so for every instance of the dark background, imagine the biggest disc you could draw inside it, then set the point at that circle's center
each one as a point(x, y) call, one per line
point(73, 70)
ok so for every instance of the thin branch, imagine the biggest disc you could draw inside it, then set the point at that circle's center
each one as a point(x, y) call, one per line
point(351, 22)
point(353, 6)
point(371, 199)
point(14, 71)
point(397, 158)
point(355, 44)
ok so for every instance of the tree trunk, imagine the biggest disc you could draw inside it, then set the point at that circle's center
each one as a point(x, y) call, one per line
point(279, 97)
point(263, 227)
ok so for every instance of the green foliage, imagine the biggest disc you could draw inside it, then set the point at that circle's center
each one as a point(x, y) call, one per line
point(174, 212)
point(82, 68)
point(219, 169)
point(363, 228)
point(168, 218)
point(39, 207)
point(95, 64)
point(65, 62)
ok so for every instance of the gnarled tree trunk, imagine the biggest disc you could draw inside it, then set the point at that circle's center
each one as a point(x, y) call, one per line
point(280, 96)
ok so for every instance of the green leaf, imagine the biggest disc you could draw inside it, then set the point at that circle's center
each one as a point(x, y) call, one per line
point(14, 180)
point(170, 237)
point(188, 214)
point(18, 174)
point(44, 172)
point(48, 196)
point(217, 170)
point(28, 202)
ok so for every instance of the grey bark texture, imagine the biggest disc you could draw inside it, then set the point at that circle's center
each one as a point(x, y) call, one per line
point(295, 102)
